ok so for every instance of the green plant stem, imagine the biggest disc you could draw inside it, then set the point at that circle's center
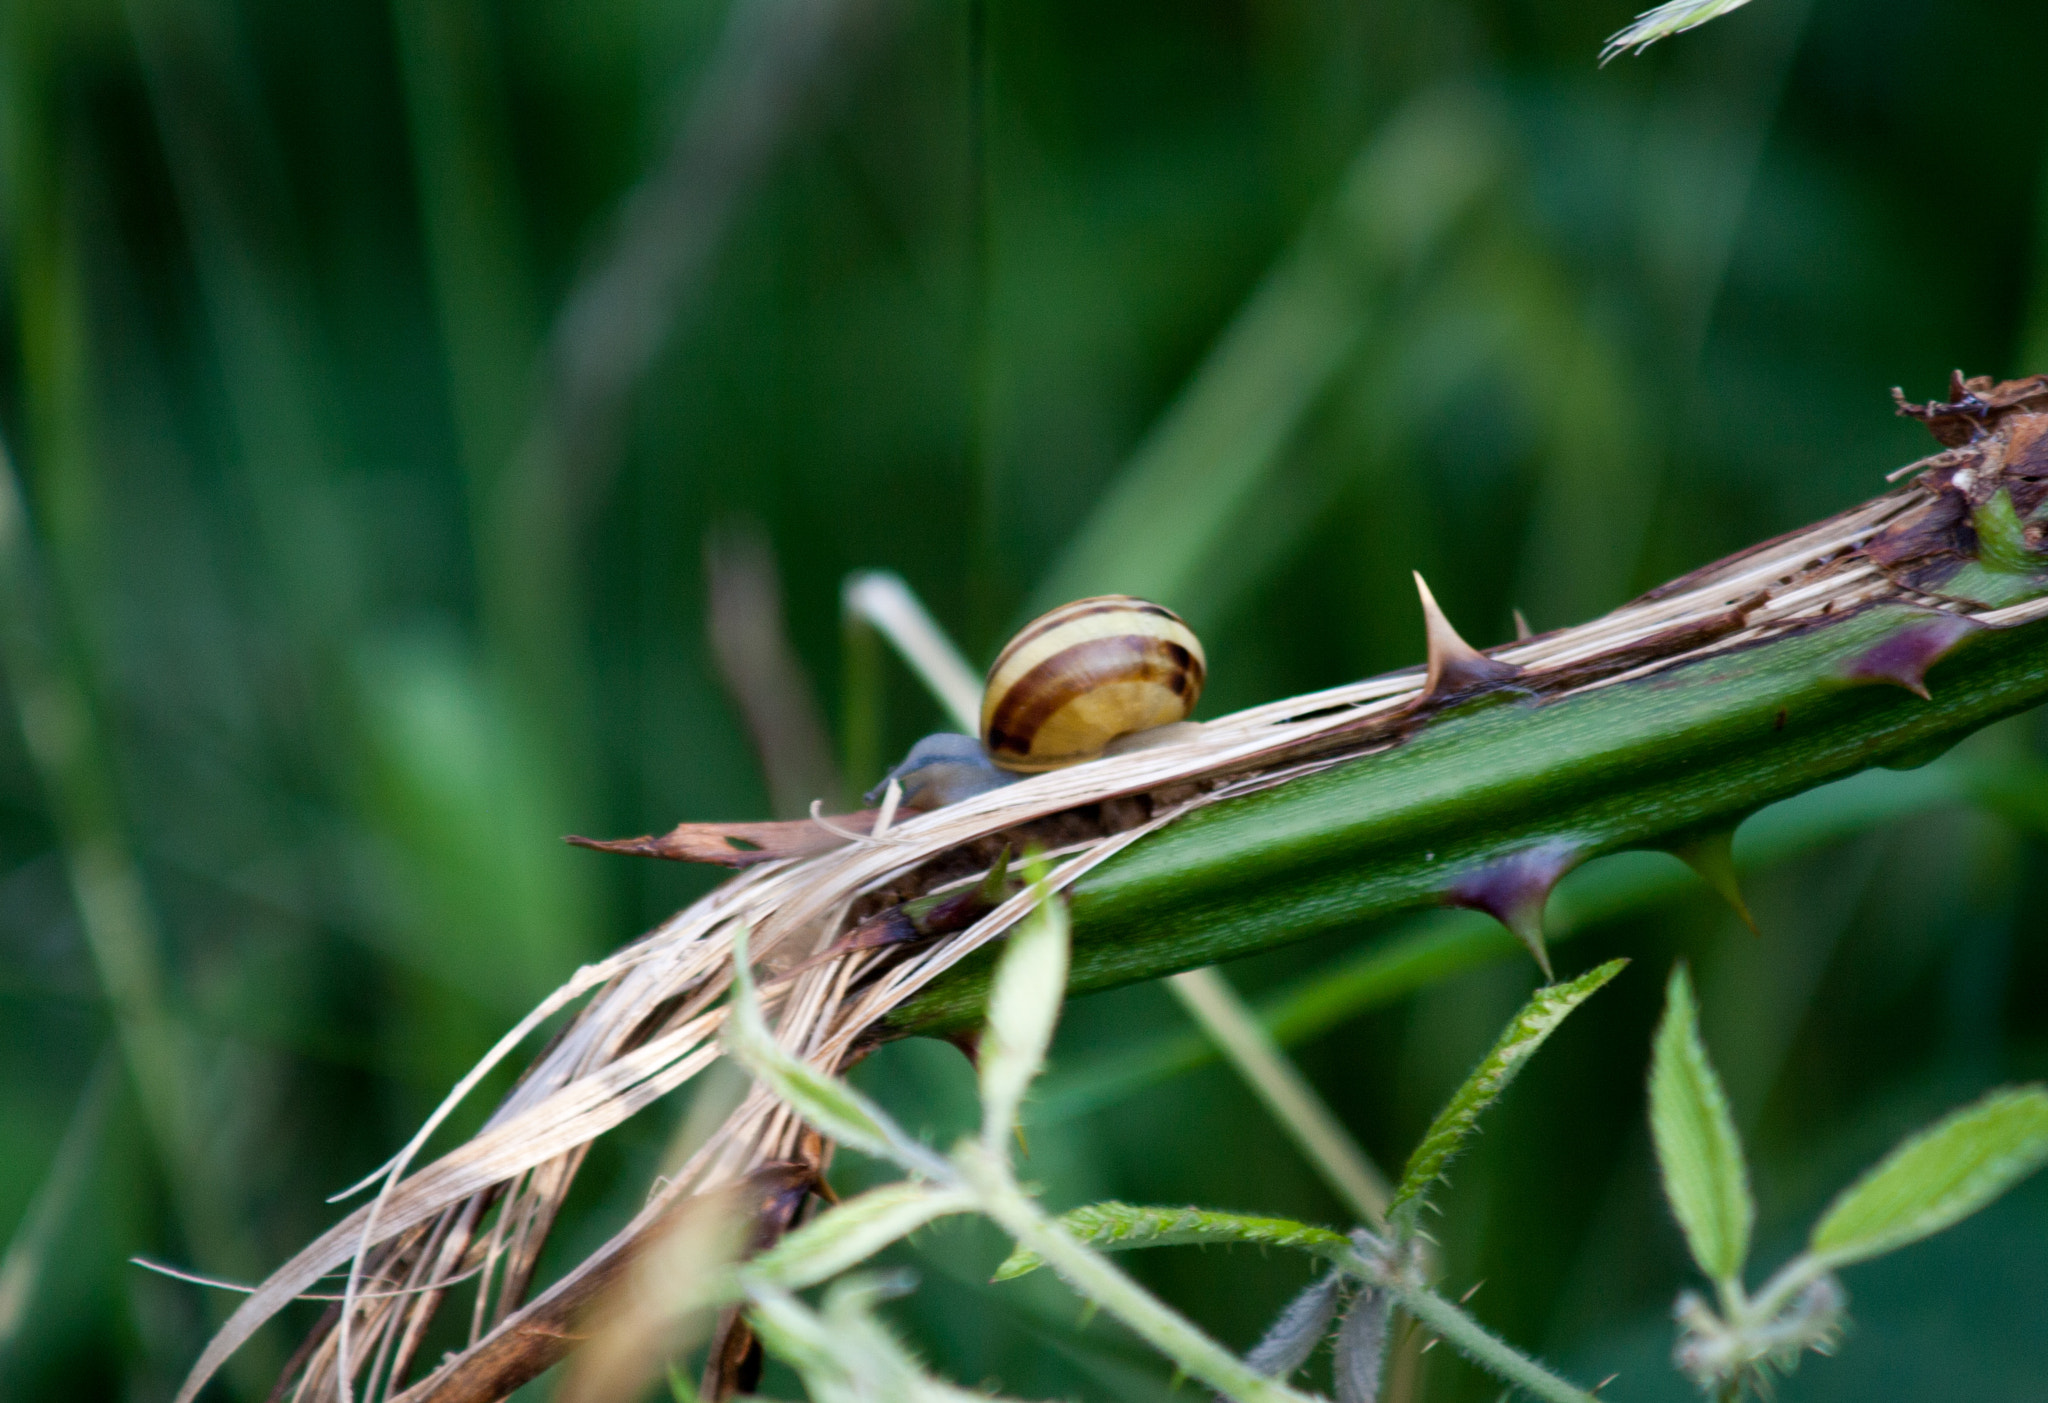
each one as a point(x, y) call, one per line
point(1427, 949)
point(1635, 764)
point(1792, 1278)
point(1193, 1352)
point(1481, 1345)
point(1286, 1094)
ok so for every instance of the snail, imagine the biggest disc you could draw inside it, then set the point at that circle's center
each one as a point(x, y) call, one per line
point(1071, 683)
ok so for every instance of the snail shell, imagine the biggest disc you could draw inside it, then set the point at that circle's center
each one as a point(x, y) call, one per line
point(1075, 679)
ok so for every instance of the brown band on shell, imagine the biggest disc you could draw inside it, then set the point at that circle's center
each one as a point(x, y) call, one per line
point(1040, 693)
point(1079, 609)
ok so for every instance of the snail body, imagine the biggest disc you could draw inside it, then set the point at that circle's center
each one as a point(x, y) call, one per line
point(1071, 685)
point(1077, 678)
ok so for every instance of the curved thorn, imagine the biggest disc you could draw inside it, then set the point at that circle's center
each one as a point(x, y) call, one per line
point(1514, 889)
point(1454, 665)
point(1712, 856)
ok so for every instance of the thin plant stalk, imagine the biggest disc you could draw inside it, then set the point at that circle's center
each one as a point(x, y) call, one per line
point(1287, 1096)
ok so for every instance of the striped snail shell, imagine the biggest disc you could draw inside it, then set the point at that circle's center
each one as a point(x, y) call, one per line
point(1077, 678)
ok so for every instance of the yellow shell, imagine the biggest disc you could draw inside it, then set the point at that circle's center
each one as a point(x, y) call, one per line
point(1075, 679)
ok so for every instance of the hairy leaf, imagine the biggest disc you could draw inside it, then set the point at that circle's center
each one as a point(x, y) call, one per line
point(824, 1101)
point(853, 1232)
point(1115, 1227)
point(1361, 1348)
point(1297, 1330)
point(1526, 1032)
point(1698, 1151)
point(1938, 1177)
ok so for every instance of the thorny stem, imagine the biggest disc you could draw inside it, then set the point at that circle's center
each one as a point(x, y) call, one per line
point(1193, 1352)
point(1638, 764)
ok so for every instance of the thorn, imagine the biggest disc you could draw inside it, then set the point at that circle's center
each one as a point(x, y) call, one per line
point(1434, 1341)
point(1606, 1381)
point(1514, 889)
point(1454, 665)
point(969, 1042)
point(1523, 633)
point(1712, 856)
point(1471, 1291)
point(1902, 660)
point(996, 886)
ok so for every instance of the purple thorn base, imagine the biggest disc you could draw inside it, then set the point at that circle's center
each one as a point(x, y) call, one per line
point(1514, 889)
point(1902, 660)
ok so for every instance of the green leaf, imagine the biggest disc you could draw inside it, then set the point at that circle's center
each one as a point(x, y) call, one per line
point(1697, 1148)
point(851, 1233)
point(1526, 1032)
point(1023, 1007)
point(1117, 1227)
point(1938, 1177)
point(825, 1102)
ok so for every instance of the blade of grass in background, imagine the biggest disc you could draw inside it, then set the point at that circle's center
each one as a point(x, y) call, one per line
point(1202, 465)
point(114, 910)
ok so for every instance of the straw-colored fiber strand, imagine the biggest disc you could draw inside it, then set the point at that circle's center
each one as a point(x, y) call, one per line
point(579, 1113)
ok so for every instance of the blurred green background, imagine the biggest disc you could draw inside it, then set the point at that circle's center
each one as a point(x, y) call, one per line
point(391, 389)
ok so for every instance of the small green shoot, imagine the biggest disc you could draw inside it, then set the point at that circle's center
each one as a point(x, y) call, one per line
point(842, 1353)
point(1387, 1273)
point(1931, 1181)
point(849, 1234)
